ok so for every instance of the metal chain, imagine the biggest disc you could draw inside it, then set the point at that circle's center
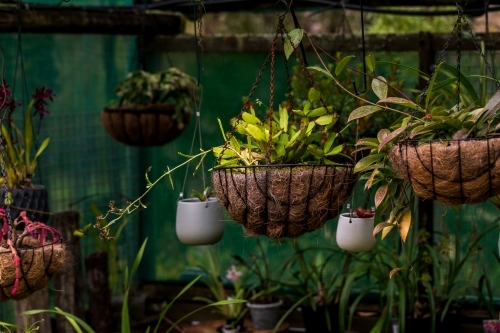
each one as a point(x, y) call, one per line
point(459, 54)
point(4, 176)
point(252, 90)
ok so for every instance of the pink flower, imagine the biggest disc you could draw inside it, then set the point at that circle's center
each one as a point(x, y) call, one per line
point(233, 274)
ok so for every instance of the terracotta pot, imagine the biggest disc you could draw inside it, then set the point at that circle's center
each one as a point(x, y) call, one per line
point(152, 125)
point(355, 234)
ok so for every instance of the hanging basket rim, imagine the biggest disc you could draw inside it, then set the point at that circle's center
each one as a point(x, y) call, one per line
point(277, 166)
point(152, 108)
point(429, 141)
point(29, 247)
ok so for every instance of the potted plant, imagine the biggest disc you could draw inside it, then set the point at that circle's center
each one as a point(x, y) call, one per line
point(355, 230)
point(233, 313)
point(28, 258)
point(283, 177)
point(153, 108)
point(263, 304)
point(20, 155)
point(199, 219)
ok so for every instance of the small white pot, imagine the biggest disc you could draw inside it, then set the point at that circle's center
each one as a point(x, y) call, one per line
point(199, 222)
point(356, 234)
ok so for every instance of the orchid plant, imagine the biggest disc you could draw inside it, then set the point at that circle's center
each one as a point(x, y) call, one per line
point(21, 149)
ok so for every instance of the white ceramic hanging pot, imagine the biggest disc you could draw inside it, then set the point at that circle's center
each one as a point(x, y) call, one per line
point(199, 222)
point(356, 234)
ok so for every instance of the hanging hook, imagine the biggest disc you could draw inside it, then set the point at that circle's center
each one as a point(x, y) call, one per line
point(363, 51)
point(284, 3)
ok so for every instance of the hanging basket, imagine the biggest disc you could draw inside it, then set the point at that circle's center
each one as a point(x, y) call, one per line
point(283, 200)
point(451, 172)
point(28, 261)
point(152, 125)
point(355, 234)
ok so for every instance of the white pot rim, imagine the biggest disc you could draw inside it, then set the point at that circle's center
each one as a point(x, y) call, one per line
point(265, 306)
point(196, 200)
point(346, 215)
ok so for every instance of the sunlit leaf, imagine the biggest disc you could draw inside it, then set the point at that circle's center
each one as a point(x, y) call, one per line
point(380, 194)
point(367, 161)
point(284, 119)
point(325, 120)
point(335, 150)
point(256, 132)
point(313, 95)
point(250, 118)
point(329, 141)
point(381, 226)
point(405, 224)
point(316, 112)
point(391, 137)
point(370, 180)
point(295, 36)
point(399, 101)
point(379, 86)
point(363, 111)
point(370, 62)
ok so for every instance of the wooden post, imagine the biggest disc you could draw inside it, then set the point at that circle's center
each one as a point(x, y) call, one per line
point(98, 292)
point(68, 285)
point(38, 300)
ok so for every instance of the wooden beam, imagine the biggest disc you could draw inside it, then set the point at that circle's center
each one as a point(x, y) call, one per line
point(92, 21)
point(328, 42)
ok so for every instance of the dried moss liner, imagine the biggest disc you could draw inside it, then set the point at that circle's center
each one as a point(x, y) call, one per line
point(451, 172)
point(38, 264)
point(283, 200)
point(151, 125)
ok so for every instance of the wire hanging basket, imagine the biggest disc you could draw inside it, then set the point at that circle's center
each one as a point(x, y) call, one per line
point(28, 260)
point(283, 200)
point(452, 172)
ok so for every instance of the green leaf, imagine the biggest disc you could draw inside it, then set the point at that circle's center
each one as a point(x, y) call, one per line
point(365, 162)
point(465, 82)
point(313, 95)
point(67, 315)
point(379, 86)
point(310, 127)
point(399, 101)
point(329, 141)
point(363, 111)
point(284, 119)
point(321, 70)
point(335, 150)
point(295, 36)
point(430, 86)
point(325, 120)
point(316, 112)
point(391, 137)
point(380, 194)
point(381, 226)
point(256, 133)
point(250, 118)
point(370, 62)
point(342, 64)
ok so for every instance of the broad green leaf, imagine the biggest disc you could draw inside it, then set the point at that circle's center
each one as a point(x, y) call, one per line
point(284, 119)
point(299, 112)
point(329, 141)
point(363, 111)
point(368, 142)
point(310, 127)
point(335, 150)
point(316, 112)
point(464, 81)
point(342, 64)
point(379, 86)
point(295, 36)
point(399, 101)
point(250, 118)
point(313, 95)
point(293, 139)
point(380, 194)
point(256, 133)
point(382, 134)
point(367, 161)
point(430, 86)
point(404, 225)
point(370, 62)
point(325, 120)
point(321, 70)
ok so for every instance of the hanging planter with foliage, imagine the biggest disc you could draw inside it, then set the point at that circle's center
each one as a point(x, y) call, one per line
point(285, 175)
point(29, 259)
point(153, 109)
point(355, 231)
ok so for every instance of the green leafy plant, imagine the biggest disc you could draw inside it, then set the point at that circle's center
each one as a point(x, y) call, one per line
point(265, 289)
point(202, 196)
point(141, 88)
point(80, 325)
point(214, 282)
point(21, 148)
point(298, 136)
